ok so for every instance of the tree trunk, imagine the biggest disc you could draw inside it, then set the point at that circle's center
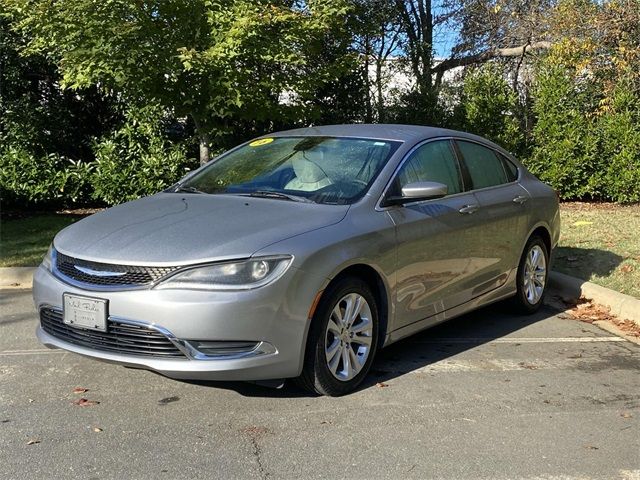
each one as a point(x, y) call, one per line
point(204, 148)
point(381, 113)
point(368, 115)
point(204, 140)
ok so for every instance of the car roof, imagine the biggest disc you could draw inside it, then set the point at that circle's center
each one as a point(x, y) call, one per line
point(379, 131)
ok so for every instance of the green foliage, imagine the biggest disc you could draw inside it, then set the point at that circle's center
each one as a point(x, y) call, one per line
point(587, 143)
point(488, 107)
point(49, 179)
point(566, 150)
point(619, 128)
point(205, 59)
point(136, 160)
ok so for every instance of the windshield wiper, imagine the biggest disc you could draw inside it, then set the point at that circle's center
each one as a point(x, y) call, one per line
point(280, 195)
point(181, 188)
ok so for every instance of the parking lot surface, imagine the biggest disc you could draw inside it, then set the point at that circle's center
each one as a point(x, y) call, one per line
point(487, 396)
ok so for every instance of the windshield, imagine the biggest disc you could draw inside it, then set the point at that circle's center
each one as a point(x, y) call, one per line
point(318, 169)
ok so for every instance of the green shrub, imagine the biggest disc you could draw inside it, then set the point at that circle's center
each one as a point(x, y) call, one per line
point(587, 144)
point(619, 128)
point(488, 107)
point(48, 180)
point(136, 160)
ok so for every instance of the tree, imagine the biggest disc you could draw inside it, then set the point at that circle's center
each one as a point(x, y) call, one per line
point(206, 59)
point(378, 38)
point(489, 106)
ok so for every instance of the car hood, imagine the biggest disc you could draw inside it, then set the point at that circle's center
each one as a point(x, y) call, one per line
point(175, 228)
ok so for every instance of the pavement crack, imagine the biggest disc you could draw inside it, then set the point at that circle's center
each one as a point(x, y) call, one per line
point(254, 434)
point(257, 453)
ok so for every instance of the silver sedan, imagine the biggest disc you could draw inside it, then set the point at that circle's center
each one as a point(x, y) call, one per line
point(300, 254)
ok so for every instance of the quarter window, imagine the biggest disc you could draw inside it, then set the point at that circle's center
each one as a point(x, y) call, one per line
point(510, 168)
point(432, 162)
point(484, 166)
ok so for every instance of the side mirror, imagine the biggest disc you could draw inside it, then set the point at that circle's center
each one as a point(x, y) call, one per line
point(418, 191)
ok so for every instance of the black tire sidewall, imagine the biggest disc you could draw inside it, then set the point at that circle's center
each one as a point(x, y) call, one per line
point(324, 381)
point(521, 297)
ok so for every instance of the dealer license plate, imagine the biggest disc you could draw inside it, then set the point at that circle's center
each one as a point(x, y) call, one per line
point(85, 312)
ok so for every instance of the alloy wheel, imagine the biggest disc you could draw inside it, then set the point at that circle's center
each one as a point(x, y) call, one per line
point(535, 274)
point(348, 336)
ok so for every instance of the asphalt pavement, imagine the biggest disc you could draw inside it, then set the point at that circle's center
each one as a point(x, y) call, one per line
point(487, 396)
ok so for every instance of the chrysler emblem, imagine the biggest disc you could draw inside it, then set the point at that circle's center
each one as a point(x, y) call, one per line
point(98, 273)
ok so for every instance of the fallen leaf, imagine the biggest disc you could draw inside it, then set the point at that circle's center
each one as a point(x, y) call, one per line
point(164, 401)
point(381, 385)
point(33, 441)
point(83, 402)
point(626, 415)
point(626, 268)
point(591, 447)
point(80, 390)
point(97, 429)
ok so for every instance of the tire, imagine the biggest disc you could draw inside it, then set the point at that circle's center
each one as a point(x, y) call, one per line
point(532, 284)
point(341, 348)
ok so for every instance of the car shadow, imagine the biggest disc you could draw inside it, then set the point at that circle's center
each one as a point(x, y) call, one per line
point(417, 351)
point(584, 262)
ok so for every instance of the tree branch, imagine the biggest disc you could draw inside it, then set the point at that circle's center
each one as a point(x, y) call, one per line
point(450, 63)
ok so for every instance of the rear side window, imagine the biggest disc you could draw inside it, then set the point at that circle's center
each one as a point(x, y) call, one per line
point(484, 166)
point(432, 162)
point(510, 168)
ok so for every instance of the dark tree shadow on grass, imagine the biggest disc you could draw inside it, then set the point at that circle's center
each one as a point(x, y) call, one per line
point(584, 262)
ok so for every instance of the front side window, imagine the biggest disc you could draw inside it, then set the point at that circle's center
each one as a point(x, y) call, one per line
point(484, 166)
point(431, 162)
point(320, 169)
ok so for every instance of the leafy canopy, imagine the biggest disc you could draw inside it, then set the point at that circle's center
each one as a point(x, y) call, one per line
point(209, 59)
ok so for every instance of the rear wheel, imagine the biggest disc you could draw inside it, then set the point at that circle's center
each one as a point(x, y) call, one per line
point(342, 340)
point(532, 276)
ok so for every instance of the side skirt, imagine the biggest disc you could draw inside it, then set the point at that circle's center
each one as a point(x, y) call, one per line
point(502, 293)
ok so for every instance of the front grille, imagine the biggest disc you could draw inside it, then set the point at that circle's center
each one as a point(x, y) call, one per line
point(119, 338)
point(132, 276)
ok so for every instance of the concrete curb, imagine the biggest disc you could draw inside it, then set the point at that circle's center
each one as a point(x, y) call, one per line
point(16, 277)
point(622, 306)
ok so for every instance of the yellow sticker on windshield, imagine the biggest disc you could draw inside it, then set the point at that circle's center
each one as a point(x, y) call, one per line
point(260, 141)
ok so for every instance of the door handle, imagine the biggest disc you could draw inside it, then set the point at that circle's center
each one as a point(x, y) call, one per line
point(520, 199)
point(469, 209)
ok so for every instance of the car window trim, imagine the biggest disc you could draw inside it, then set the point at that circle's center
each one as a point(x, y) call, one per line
point(379, 207)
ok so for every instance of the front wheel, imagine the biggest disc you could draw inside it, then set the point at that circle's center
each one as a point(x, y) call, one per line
point(342, 339)
point(532, 276)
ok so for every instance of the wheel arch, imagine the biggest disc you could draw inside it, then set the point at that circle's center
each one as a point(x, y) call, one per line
point(379, 287)
point(543, 231)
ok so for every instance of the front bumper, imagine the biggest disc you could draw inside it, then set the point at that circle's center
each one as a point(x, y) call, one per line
point(274, 317)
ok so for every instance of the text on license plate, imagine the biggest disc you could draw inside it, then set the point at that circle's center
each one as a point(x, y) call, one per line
point(85, 312)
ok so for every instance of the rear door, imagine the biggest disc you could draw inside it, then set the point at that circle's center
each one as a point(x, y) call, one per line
point(504, 207)
point(436, 254)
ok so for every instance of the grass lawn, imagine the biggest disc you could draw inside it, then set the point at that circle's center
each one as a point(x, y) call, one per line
point(24, 241)
point(601, 243)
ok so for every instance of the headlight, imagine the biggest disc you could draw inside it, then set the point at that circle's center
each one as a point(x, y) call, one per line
point(239, 275)
point(47, 261)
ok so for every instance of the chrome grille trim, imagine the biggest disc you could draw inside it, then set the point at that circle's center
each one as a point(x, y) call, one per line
point(123, 337)
point(106, 276)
